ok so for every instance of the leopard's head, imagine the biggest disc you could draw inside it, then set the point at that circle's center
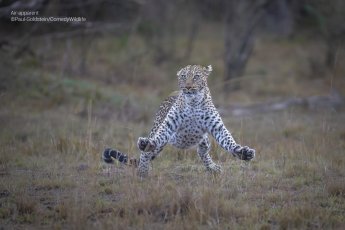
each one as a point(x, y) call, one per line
point(192, 79)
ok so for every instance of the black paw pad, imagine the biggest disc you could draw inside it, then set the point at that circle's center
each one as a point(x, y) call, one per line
point(248, 154)
point(244, 153)
point(142, 144)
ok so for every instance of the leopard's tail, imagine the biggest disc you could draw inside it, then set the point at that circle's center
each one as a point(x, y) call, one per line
point(110, 154)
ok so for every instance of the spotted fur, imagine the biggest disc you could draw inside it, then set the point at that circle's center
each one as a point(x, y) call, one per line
point(185, 120)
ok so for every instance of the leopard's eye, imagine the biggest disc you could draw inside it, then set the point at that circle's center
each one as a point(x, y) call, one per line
point(196, 77)
point(183, 76)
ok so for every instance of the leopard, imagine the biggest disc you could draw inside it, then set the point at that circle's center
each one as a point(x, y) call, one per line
point(185, 120)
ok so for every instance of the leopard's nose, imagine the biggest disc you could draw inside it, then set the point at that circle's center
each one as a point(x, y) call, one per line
point(188, 87)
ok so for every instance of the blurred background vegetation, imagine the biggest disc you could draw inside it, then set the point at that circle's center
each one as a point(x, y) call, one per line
point(122, 60)
point(142, 44)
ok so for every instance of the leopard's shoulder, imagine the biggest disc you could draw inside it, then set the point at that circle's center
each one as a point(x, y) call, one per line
point(163, 111)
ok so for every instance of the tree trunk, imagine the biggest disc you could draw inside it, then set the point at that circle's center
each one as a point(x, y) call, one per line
point(242, 18)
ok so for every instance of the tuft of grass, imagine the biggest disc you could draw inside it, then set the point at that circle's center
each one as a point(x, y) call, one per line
point(108, 191)
point(297, 217)
point(6, 211)
point(61, 212)
point(336, 188)
point(26, 208)
point(293, 131)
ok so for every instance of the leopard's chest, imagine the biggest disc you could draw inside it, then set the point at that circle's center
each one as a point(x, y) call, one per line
point(191, 129)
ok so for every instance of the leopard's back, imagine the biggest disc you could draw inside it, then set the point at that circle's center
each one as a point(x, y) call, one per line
point(163, 111)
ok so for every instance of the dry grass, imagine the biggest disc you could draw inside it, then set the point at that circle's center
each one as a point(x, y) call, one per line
point(56, 179)
point(51, 174)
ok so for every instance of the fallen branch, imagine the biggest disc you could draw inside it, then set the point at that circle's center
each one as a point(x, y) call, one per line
point(331, 101)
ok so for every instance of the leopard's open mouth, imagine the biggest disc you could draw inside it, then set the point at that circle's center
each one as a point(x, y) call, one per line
point(190, 91)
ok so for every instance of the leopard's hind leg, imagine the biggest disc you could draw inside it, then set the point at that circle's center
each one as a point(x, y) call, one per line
point(203, 150)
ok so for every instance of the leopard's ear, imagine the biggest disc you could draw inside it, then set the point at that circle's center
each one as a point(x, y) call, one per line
point(208, 69)
point(179, 72)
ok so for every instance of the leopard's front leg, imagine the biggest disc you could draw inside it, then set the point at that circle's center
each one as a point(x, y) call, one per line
point(146, 144)
point(149, 151)
point(243, 152)
point(224, 138)
point(147, 147)
point(152, 145)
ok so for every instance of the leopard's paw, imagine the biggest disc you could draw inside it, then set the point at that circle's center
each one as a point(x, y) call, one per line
point(244, 153)
point(146, 144)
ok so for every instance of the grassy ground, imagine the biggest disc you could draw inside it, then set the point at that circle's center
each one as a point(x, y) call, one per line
point(55, 126)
